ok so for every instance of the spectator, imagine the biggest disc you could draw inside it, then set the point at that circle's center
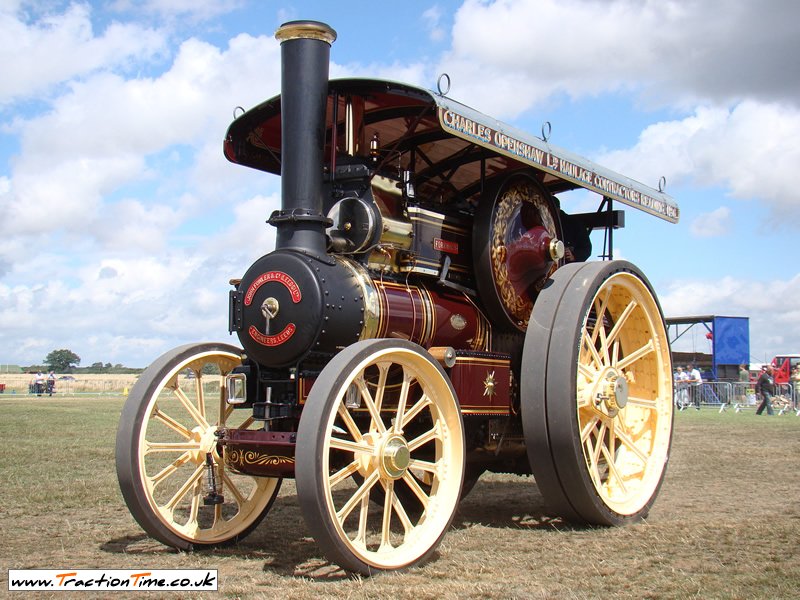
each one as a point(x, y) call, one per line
point(796, 387)
point(51, 383)
point(681, 388)
point(695, 385)
point(765, 388)
point(38, 383)
point(744, 381)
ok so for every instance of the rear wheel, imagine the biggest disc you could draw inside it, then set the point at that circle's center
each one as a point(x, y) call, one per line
point(597, 393)
point(165, 440)
point(381, 422)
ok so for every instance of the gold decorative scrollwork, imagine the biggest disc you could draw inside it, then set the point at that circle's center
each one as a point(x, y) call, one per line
point(250, 457)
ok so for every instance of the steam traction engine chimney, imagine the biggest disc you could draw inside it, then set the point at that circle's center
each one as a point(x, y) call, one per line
point(305, 53)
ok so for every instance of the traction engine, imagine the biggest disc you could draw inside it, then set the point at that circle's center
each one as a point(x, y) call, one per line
point(428, 314)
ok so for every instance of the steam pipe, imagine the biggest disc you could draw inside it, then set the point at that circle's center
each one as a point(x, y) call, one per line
point(305, 54)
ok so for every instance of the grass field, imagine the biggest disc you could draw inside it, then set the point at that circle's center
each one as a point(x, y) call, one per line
point(726, 525)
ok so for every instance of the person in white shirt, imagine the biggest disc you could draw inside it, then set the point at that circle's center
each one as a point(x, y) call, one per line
point(695, 385)
point(681, 388)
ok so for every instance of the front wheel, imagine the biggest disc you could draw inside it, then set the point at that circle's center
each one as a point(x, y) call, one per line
point(167, 444)
point(381, 421)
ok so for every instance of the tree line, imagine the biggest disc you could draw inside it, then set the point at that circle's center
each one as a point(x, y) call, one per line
point(66, 361)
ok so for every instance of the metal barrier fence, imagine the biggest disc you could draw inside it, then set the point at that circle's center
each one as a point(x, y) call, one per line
point(736, 395)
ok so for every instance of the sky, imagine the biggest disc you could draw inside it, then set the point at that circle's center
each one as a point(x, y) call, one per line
point(121, 222)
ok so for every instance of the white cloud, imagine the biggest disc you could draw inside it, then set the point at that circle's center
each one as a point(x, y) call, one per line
point(97, 137)
point(58, 47)
point(508, 55)
point(750, 150)
point(774, 321)
point(194, 10)
point(712, 224)
point(432, 18)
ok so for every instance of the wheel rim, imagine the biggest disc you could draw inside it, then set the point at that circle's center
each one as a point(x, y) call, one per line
point(178, 431)
point(406, 432)
point(624, 398)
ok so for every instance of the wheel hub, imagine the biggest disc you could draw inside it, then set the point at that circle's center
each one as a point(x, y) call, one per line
point(207, 440)
point(615, 391)
point(395, 457)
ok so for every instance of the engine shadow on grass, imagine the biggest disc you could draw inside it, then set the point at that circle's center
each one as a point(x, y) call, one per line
point(284, 547)
point(508, 505)
point(280, 543)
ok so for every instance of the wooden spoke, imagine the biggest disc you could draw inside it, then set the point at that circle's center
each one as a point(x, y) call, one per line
point(638, 354)
point(401, 402)
point(412, 413)
point(190, 407)
point(171, 423)
point(355, 499)
point(169, 469)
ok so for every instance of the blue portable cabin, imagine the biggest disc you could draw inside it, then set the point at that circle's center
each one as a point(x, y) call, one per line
point(730, 344)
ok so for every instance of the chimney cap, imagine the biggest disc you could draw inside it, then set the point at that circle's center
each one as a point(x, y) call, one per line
point(313, 30)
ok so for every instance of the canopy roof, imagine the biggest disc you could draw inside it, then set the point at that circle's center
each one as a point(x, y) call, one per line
point(447, 145)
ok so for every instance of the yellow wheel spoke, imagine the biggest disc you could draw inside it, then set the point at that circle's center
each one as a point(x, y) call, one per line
point(621, 320)
point(201, 397)
point(349, 423)
point(195, 508)
point(386, 525)
point(419, 405)
point(423, 439)
point(247, 422)
point(587, 372)
point(233, 489)
point(601, 327)
point(402, 515)
point(600, 310)
point(423, 465)
point(160, 415)
point(598, 448)
point(401, 402)
point(418, 491)
point(592, 350)
point(383, 369)
point(631, 445)
point(363, 518)
point(173, 502)
point(355, 499)
point(377, 422)
point(169, 446)
point(643, 402)
point(169, 469)
point(225, 411)
point(614, 472)
point(343, 474)
point(636, 355)
point(589, 427)
point(348, 446)
point(190, 408)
